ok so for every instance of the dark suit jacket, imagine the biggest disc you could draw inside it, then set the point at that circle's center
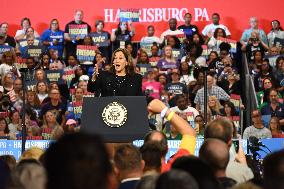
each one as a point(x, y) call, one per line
point(106, 84)
point(128, 184)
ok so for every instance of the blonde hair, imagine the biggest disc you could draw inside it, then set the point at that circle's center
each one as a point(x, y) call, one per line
point(217, 106)
point(32, 153)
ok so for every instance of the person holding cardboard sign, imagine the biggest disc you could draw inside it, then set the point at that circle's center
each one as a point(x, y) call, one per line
point(120, 81)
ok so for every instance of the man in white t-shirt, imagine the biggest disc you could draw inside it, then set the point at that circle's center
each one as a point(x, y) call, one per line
point(209, 29)
point(185, 111)
point(171, 31)
point(150, 38)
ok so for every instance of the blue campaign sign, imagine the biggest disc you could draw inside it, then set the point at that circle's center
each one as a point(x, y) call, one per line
point(14, 147)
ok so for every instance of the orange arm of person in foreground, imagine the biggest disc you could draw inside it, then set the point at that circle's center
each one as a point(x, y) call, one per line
point(188, 141)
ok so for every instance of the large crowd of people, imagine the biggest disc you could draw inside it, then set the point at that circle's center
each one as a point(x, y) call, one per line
point(46, 74)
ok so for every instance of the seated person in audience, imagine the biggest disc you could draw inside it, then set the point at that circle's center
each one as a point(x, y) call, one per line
point(196, 38)
point(199, 125)
point(222, 129)
point(212, 41)
point(255, 64)
point(186, 71)
point(215, 152)
point(150, 87)
point(257, 129)
point(56, 106)
point(275, 128)
point(71, 41)
point(8, 39)
point(262, 96)
point(51, 130)
point(174, 42)
point(8, 64)
point(77, 102)
point(254, 28)
point(171, 31)
point(53, 38)
point(214, 106)
point(188, 141)
point(187, 27)
point(143, 58)
point(122, 35)
point(229, 110)
point(4, 129)
point(25, 24)
point(273, 107)
point(150, 38)
point(175, 87)
point(155, 55)
point(275, 32)
point(253, 44)
point(231, 83)
point(185, 111)
point(168, 61)
point(209, 29)
point(129, 165)
point(224, 50)
point(132, 51)
point(212, 90)
point(265, 72)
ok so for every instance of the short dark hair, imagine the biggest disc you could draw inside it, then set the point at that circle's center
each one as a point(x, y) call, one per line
point(127, 158)
point(176, 179)
point(220, 128)
point(150, 26)
point(216, 14)
point(216, 32)
point(274, 170)
point(98, 22)
point(187, 14)
point(74, 159)
point(200, 170)
point(163, 142)
point(26, 19)
point(152, 154)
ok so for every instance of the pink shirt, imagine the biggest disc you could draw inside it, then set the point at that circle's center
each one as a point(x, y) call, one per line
point(154, 88)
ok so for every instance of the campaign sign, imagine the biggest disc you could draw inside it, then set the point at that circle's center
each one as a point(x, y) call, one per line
point(236, 100)
point(181, 37)
point(86, 53)
point(100, 39)
point(154, 60)
point(77, 109)
point(129, 14)
point(144, 68)
point(4, 48)
point(31, 85)
point(205, 51)
point(54, 76)
point(278, 42)
point(13, 147)
point(34, 51)
point(69, 74)
point(80, 30)
point(24, 43)
point(177, 54)
point(146, 47)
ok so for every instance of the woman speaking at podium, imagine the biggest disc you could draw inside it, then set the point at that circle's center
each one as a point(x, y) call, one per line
point(120, 81)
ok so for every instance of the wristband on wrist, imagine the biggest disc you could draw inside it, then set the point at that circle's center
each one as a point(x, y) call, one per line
point(170, 116)
point(163, 112)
